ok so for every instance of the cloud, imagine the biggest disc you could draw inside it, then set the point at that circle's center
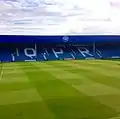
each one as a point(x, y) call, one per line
point(62, 16)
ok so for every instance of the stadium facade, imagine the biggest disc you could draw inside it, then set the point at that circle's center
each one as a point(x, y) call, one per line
point(44, 48)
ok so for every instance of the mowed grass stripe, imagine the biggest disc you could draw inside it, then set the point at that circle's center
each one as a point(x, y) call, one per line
point(89, 87)
point(73, 68)
point(96, 89)
point(57, 72)
point(23, 101)
point(29, 110)
point(64, 100)
point(45, 77)
point(90, 65)
point(98, 77)
point(94, 74)
point(112, 101)
point(109, 68)
point(12, 75)
point(106, 91)
point(34, 78)
point(14, 79)
point(15, 86)
point(60, 73)
point(21, 96)
point(92, 88)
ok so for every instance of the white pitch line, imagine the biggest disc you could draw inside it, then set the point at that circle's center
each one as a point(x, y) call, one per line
point(1, 73)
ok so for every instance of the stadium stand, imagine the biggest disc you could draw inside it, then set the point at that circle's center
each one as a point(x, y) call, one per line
point(43, 48)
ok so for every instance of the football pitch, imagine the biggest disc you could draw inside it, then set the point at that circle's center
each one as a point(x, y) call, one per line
point(78, 89)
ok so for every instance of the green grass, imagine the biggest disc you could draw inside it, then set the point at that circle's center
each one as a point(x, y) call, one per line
point(60, 90)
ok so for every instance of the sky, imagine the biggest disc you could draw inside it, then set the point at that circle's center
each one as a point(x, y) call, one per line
point(59, 17)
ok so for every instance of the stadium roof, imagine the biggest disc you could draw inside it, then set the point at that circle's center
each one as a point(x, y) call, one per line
point(58, 39)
